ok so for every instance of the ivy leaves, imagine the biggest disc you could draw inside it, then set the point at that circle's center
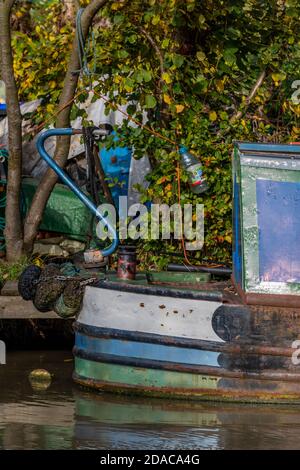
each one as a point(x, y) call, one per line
point(189, 67)
point(150, 102)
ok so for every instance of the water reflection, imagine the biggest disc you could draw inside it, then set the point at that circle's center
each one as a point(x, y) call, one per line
point(36, 419)
point(66, 417)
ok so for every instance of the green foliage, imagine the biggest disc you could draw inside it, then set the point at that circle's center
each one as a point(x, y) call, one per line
point(12, 271)
point(212, 54)
point(41, 55)
point(191, 66)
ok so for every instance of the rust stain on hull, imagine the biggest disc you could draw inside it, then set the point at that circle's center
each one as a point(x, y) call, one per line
point(253, 362)
point(242, 396)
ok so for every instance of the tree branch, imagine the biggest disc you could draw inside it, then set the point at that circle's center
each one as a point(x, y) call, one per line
point(249, 98)
point(156, 48)
point(48, 181)
point(101, 176)
point(8, 4)
point(13, 222)
point(161, 66)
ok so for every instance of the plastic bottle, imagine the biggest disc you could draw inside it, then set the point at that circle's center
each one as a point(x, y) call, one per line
point(193, 167)
point(2, 92)
point(2, 100)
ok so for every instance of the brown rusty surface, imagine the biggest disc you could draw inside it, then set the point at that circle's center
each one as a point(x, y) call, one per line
point(258, 325)
point(227, 289)
point(249, 349)
point(272, 300)
point(277, 325)
point(235, 394)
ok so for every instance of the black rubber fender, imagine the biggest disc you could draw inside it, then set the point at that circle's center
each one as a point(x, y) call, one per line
point(48, 289)
point(41, 307)
point(27, 284)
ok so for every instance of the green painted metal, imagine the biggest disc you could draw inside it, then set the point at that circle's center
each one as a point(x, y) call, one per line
point(252, 163)
point(140, 279)
point(249, 176)
point(137, 376)
point(163, 277)
point(184, 277)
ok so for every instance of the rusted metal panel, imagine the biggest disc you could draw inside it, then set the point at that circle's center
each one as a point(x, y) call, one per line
point(244, 351)
point(274, 300)
point(230, 392)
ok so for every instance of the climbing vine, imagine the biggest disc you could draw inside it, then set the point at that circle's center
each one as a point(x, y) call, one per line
point(206, 73)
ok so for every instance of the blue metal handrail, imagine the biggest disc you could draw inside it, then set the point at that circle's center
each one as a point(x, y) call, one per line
point(70, 183)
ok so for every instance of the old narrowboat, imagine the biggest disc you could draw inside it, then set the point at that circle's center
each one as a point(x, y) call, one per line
point(210, 341)
point(196, 337)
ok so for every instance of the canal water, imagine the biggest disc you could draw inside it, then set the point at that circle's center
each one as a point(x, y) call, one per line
point(60, 415)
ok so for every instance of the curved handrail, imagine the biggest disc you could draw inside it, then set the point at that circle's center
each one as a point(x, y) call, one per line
point(70, 183)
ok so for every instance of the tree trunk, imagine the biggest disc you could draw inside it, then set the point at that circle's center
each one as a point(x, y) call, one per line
point(48, 181)
point(13, 226)
point(69, 11)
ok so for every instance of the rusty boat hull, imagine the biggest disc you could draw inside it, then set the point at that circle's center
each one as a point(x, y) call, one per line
point(196, 344)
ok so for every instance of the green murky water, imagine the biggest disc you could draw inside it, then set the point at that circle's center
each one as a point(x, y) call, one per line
point(63, 416)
